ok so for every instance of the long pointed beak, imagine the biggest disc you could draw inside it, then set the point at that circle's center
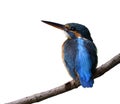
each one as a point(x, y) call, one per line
point(57, 25)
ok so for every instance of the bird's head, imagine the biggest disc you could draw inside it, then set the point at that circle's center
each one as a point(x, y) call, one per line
point(74, 30)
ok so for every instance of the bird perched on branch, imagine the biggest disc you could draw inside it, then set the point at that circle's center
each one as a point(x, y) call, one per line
point(79, 52)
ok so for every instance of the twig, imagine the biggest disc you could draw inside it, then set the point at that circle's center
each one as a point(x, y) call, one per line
point(67, 86)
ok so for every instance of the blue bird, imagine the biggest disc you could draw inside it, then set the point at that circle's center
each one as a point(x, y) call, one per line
point(79, 52)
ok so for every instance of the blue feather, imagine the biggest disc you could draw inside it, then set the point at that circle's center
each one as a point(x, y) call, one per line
point(69, 51)
point(81, 59)
point(83, 64)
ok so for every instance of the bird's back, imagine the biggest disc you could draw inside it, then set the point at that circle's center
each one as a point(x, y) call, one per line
point(80, 56)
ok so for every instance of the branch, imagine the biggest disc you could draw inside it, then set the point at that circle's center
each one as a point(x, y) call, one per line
point(67, 86)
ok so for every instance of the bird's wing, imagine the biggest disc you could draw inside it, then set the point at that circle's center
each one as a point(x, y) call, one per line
point(92, 50)
point(69, 54)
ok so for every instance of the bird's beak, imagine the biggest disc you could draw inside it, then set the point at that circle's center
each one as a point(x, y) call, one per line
point(57, 25)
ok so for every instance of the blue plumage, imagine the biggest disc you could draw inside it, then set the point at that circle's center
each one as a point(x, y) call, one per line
point(80, 54)
point(79, 51)
point(79, 60)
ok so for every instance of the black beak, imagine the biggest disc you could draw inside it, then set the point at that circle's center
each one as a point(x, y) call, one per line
point(57, 25)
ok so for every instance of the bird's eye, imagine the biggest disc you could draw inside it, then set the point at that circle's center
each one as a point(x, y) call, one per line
point(72, 28)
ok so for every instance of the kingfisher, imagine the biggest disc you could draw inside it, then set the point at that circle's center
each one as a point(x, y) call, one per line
point(79, 52)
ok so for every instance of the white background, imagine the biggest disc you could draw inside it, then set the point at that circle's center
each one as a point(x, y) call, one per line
point(30, 51)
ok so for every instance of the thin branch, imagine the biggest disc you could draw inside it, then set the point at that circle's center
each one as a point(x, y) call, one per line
point(67, 86)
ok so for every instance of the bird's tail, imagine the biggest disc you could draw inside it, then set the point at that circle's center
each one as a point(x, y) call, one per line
point(85, 74)
point(86, 81)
